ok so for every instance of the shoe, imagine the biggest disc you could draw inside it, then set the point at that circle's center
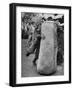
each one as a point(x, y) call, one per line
point(34, 62)
point(27, 54)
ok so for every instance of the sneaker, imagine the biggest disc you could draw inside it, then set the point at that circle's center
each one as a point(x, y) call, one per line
point(34, 62)
point(27, 54)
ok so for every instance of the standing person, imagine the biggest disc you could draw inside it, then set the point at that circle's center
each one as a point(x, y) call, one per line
point(35, 46)
point(37, 42)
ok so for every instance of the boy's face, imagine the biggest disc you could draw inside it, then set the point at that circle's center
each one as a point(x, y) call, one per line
point(34, 25)
point(38, 29)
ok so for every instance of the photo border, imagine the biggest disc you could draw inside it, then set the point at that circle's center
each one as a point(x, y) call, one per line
point(12, 64)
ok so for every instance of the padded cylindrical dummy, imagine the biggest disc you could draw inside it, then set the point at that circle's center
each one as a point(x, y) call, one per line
point(47, 61)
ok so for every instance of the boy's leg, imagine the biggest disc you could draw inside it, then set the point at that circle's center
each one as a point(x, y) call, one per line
point(31, 49)
point(36, 53)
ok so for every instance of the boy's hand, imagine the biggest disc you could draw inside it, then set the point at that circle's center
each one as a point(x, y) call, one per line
point(42, 36)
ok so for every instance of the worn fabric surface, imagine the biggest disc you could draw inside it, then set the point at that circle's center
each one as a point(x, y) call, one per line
point(47, 62)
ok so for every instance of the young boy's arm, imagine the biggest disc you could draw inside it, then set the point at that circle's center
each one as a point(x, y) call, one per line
point(42, 36)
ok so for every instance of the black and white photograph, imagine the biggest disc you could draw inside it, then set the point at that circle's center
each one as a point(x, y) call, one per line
point(40, 44)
